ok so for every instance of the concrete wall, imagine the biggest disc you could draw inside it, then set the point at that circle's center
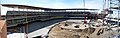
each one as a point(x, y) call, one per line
point(3, 29)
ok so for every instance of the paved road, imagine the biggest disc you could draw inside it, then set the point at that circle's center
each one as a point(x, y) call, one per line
point(42, 28)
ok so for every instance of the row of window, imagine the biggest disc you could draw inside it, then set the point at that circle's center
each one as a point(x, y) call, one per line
point(33, 16)
point(25, 12)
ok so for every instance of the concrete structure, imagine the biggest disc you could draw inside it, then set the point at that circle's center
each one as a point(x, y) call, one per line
point(16, 18)
point(21, 17)
point(3, 29)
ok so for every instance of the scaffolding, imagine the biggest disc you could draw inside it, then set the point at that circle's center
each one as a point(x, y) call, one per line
point(114, 4)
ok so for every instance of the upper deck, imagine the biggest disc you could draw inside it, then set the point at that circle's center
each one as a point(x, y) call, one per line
point(19, 17)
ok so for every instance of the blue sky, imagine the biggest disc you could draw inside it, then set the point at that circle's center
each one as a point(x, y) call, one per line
point(57, 3)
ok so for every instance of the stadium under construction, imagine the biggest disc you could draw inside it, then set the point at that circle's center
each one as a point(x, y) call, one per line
point(41, 22)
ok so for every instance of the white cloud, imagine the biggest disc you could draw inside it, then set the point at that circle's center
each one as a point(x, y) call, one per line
point(59, 4)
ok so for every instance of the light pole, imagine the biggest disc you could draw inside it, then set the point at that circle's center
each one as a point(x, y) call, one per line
point(0, 11)
point(118, 11)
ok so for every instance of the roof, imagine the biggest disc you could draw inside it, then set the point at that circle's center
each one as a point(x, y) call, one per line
point(33, 7)
point(73, 9)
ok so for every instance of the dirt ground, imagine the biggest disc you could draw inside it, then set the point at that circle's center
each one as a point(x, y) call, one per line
point(99, 32)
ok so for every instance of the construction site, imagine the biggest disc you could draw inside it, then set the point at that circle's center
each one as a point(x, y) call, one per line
point(29, 21)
